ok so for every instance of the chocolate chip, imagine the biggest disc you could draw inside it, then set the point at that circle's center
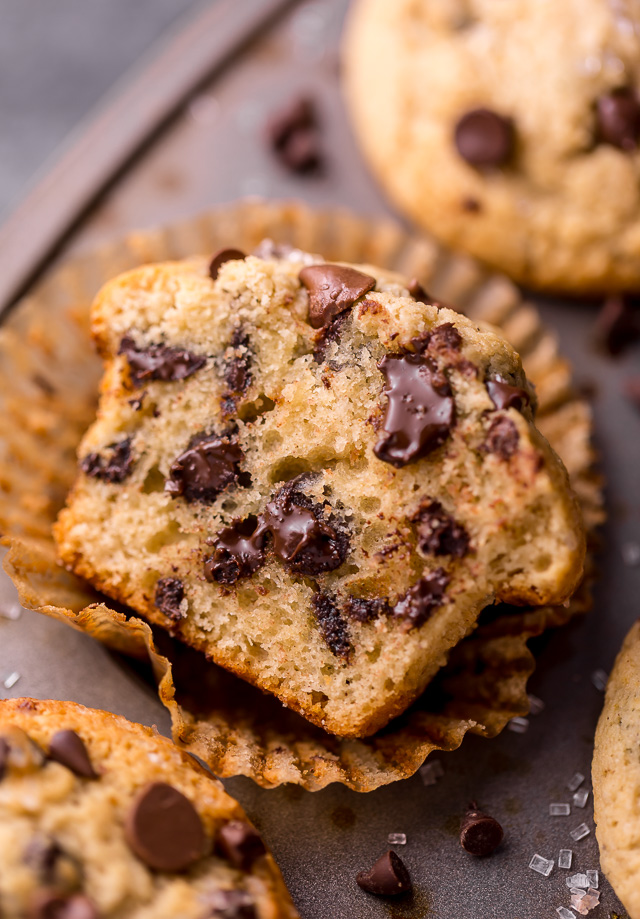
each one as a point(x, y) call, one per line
point(222, 256)
point(417, 291)
point(236, 369)
point(503, 395)
point(484, 138)
point(480, 834)
point(502, 438)
point(113, 466)
point(237, 554)
point(631, 389)
point(230, 904)
point(471, 205)
point(332, 290)
point(332, 626)
point(618, 323)
point(4, 756)
point(420, 410)
point(67, 748)
point(159, 362)
point(421, 600)
point(387, 878)
point(618, 118)
point(330, 334)
point(293, 135)
point(366, 609)
point(239, 843)
point(164, 829)
point(53, 866)
point(444, 340)
point(51, 904)
point(438, 532)
point(208, 465)
point(168, 598)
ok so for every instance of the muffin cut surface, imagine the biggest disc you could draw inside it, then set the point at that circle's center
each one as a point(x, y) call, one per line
point(314, 477)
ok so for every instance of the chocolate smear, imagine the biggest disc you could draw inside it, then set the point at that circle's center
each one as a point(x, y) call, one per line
point(51, 904)
point(159, 362)
point(484, 138)
point(502, 438)
point(237, 554)
point(208, 465)
point(480, 834)
point(332, 626)
point(421, 600)
point(169, 598)
point(239, 843)
point(230, 904)
point(222, 256)
point(387, 878)
point(438, 532)
point(67, 748)
point(420, 411)
point(366, 609)
point(504, 395)
point(618, 323)
point(114, 466)
point(164, 829)
point(332, 290)
point(618, 118)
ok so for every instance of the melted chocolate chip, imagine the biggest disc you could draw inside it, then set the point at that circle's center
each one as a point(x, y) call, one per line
point(168, 598)
point(503, 395)
point(438, 532)
point(159, 362)
point(207, 467)
point(618, 119)
point(332, 290)
point(443, 340)
point(293, 135)
point(164, 829)
point(417, 291)
point(114, 466)
point(387, 878)
point(332, 626)
point(330, 334)
point(420, 410)
point(366, 609)
point(236, 369)
point(53, 866)
point(237, 554)
point(618, 323)
point(51, 904)
point(502, 438)
point(222, 256)
point(484, 138)
point(230, 904)
point(4, 756)
point(422, 599)
point(67, 748)
point(239, 843)
point(480, 834)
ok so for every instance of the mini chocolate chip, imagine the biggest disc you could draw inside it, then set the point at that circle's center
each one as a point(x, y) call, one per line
point(237, 554)
point(53, 866)
point(159, 362)
point(230, 904)
point(420, 410)
point(293, 135)
point(480, 834)
point(631, 389)
point(618, 118)
point(239, 843)
point(164, 829)
point(332, 290)
point(484, 138)
point(222, 256)
point(502, 438)
point(387, 878)
point(332, 626)
point(421, 600)
point(618, 323)
point(417, 291)
point(113, 466)
point(330, 334)
point(366, 609)
point(4, 756)
point(51, 904)
point(503, 395)
point(438, 532)
point(168, 598)
point(208, 465)
point(67, 748)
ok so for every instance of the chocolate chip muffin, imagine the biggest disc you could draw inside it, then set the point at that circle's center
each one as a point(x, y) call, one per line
point(102, 818)
point(314, 475)
point(509, 130)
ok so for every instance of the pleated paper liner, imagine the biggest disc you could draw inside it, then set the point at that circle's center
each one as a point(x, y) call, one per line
point(48, 388)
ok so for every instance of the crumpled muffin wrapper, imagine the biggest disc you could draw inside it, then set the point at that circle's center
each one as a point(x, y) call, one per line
point(49, 376)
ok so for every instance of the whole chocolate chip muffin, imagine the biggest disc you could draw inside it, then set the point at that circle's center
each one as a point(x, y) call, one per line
point(509, 130)
point(314, 477)
point(104, 819)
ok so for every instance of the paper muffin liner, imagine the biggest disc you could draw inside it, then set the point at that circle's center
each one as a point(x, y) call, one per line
point(49, 375)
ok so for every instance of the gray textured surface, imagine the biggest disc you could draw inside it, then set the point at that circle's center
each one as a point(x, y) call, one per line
point(214, 152)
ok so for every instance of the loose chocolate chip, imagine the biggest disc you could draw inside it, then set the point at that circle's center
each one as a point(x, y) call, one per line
point(631, 389)
point(159, 362)
point(484, 138)
point(53, 866)
point(420, 601)
point(618, 118)
point(230, 904)
point(67, 748)
point(420, 410)
point(4, 756)
point(618, 323)
point(366, 609)
point(222, 256)
point(208, 465)
point(502, 438)
point(438, 532)
point(293, 135)
point(332, 290)
point(387, 878)
point(417, 291)
point(480, 834)
point(239, 843)
point(164, 829)
point(113, 466)
point(330, 334)
point(237, 554)
point(168, 598)
point(51, 904)
point(332, 626)
point(503, 395)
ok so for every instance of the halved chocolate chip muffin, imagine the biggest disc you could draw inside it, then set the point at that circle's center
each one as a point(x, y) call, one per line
point(314, 475)
point(103, 818)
